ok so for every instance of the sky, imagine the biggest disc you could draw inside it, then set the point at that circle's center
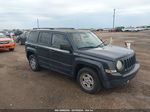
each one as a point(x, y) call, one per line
point(73, 13)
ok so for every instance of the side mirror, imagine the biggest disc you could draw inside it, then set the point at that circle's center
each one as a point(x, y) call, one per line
point(66, 47)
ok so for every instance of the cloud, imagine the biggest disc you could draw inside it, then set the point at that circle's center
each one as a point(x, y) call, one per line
point(135, 10)
point(23, 13)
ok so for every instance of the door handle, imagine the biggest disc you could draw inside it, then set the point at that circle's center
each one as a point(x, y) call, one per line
point(52, 50)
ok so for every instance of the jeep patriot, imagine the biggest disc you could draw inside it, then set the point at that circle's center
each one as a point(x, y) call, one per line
point(81, 55)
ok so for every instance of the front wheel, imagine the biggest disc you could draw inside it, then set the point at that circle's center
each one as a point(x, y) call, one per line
point(33, 63)
point(88, 80)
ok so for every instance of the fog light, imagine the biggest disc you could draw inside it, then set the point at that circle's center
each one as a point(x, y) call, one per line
point(110, 71)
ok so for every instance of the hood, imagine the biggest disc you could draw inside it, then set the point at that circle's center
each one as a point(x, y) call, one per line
point(5, 39)
point(108, 52)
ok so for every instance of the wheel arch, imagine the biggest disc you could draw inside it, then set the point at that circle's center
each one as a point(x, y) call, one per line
point(29, 53)
point(81, 65)
point(96, 66)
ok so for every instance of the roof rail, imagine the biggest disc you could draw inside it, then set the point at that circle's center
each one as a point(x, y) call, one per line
point(43, 28)
point(52, 28)
point(64, 28)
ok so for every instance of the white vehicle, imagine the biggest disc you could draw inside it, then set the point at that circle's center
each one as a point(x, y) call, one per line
point(130, 29)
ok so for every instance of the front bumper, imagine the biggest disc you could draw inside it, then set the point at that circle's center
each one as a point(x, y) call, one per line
point(7, 46)
point(114, 81)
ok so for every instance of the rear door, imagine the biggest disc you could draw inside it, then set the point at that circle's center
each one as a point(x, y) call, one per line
point(43, 48)
point(61, 60)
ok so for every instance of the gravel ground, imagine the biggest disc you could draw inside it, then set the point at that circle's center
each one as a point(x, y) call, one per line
point(21, 88)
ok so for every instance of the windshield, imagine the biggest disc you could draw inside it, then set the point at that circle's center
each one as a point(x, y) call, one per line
point(86, 40)
point(2, 35)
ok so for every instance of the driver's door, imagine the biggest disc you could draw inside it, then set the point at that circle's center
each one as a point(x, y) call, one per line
point(61, 60)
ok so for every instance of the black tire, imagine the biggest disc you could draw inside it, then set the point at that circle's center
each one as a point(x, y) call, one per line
point(11, 49)
point(93, 77)
point(33, 62)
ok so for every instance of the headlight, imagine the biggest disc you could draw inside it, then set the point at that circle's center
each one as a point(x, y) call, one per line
point(119, 65)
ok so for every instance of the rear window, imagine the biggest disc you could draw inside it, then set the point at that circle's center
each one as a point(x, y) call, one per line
point(32, 37)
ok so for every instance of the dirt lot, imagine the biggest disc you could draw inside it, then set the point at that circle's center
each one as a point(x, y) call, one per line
point(21, 88)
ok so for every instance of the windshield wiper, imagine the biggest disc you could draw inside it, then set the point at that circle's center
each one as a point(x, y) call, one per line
point(87, 47)
point(100, 45)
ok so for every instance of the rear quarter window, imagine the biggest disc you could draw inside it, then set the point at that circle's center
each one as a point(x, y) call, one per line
point(32, 37)
point(44, 38)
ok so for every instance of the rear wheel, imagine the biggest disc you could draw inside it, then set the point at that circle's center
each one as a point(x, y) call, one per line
point(11, 49)
point(88, 80)
point(33, 63)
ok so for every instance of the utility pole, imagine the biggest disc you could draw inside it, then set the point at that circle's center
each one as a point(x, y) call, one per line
point(37, 23)
point(114, 18)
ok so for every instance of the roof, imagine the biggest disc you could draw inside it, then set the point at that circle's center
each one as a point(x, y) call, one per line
point(60, 29)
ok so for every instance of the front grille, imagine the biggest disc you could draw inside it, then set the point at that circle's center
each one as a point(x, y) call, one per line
point(4, 46)
point(4, 42)
point(128, 63)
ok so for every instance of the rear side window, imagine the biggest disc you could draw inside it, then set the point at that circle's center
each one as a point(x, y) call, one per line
point(44, 38)
point(59, 39)
point(33, 37)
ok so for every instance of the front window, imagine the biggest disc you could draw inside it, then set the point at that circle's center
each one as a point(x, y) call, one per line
point(86, 40)
point(58, 40)
point(2, 35)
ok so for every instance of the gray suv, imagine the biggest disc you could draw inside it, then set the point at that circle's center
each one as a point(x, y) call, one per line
point(81, 55)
